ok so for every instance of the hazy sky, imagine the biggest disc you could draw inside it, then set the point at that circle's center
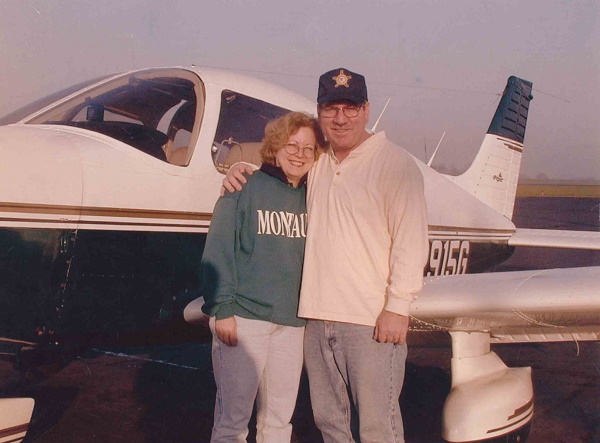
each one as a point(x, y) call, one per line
point(442, 63)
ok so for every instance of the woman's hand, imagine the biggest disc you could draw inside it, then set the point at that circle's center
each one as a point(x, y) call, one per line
point(226, 330)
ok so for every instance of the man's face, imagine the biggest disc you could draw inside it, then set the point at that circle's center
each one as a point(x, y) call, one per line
point(344, 133)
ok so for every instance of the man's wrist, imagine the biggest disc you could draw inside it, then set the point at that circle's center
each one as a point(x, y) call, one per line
point(398, 306)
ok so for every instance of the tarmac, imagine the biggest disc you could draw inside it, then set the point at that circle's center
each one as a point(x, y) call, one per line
point(166, 394)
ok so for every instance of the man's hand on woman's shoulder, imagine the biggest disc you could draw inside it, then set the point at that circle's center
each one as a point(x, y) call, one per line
point(235, 178)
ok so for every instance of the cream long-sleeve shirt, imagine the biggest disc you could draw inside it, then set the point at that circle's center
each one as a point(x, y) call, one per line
point(366, 244)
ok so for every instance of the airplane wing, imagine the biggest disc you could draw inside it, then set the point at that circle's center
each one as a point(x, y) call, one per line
point(523, 306)
point(15, 418)
point(487, 398)
point(551, 238)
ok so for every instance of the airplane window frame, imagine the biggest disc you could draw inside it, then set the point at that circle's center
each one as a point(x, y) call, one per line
point(36, 106)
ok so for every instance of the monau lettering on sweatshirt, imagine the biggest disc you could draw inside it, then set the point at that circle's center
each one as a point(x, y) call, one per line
point(282, 223)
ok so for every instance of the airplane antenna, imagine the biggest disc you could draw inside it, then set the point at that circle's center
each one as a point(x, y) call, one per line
point(379, 118)
point(436, 149)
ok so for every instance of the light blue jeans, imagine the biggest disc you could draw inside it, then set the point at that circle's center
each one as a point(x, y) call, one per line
point(266, 364)
point(344, 362)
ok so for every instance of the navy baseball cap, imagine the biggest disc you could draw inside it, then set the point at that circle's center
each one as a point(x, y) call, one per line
point(342, 84)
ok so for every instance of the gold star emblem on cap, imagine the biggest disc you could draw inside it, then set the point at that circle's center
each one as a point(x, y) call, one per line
point(342, 79)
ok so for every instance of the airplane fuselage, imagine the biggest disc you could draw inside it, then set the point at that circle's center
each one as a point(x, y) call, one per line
point(108, 195)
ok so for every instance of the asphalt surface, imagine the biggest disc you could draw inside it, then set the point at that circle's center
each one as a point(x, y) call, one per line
point(166, 394)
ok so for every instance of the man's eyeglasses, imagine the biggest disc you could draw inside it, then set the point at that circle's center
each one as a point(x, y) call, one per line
point(332, 111)
point(294, 148)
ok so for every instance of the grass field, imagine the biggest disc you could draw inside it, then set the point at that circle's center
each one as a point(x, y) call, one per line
point(558, 190)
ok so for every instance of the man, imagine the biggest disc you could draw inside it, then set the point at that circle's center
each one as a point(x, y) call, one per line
point(365, 252)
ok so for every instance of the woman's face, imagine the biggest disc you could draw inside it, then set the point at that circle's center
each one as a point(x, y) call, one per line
point(297, 156)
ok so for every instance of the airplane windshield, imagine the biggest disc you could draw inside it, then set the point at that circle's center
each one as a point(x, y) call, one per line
point(241, 128)
point(153, 111)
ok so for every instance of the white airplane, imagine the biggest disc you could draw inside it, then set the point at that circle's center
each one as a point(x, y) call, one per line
point(107, 196)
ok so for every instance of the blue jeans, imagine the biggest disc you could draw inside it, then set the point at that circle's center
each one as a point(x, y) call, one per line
point(348, 370)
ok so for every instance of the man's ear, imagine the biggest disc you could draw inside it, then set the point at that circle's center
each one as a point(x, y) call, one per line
point(366, 107)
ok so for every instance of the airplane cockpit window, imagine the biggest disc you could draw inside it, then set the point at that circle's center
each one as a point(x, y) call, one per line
point(241, 128)
point(153, 112)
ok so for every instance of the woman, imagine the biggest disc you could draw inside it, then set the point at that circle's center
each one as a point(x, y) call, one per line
point(252, 266)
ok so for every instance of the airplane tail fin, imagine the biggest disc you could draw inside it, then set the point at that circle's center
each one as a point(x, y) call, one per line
point(493, 175)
